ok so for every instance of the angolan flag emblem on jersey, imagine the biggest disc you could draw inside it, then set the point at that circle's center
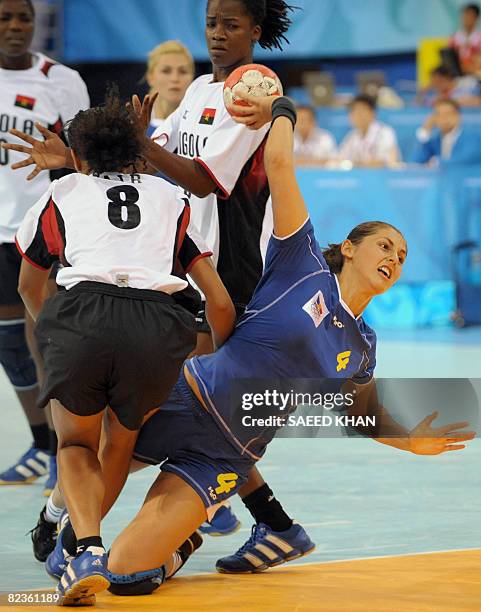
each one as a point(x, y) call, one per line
point(25, 102)
point(208, 116)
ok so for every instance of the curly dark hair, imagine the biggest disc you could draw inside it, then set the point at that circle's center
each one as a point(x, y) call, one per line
point(107, 137)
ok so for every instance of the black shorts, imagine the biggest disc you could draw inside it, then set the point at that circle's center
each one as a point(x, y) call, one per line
point(104, 345)
point(201, 324)
point(10, 261)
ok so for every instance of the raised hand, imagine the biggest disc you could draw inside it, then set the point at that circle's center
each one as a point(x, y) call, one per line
point(48, 154)
point(256, 114)
point(143, 110)
point(427, 440)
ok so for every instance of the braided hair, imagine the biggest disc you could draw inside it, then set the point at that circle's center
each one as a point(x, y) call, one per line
point(273, 17)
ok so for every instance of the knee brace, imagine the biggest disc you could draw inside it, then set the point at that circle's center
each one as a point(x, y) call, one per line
point(140, 583)
point(15, 356)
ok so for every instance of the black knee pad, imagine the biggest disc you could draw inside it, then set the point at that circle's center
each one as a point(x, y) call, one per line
point(139, 583)
point(15, 355)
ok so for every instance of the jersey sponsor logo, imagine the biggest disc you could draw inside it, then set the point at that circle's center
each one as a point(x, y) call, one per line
point(316, 308)
point(343, 360)
point(337, 323)
point(25, 102)
point(226, 482)
point(208, 116)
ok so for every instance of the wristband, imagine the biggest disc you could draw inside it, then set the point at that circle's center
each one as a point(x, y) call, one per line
point(284, 107)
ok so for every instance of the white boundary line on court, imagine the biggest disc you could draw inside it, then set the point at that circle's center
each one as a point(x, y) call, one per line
point(412, 554)
point(285, 565)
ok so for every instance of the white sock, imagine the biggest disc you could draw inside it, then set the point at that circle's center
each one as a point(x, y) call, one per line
point(52, 513)
point(176, 563)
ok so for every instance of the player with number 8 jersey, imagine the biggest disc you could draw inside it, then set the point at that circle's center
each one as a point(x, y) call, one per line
point(117, 336)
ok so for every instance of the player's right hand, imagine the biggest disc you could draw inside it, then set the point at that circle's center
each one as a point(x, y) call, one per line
point(257, 113)
point(48, 154)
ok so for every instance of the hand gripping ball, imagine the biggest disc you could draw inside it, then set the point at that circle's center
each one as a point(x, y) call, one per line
point(252, 79)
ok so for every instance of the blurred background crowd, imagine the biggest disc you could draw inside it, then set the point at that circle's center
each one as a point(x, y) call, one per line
point(389, 86)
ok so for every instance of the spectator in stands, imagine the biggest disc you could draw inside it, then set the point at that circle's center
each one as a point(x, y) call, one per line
point(170, 70)
point(444, 84)
point(312, 145)
point(443, 139)
point(467, 41)
point(371, 144)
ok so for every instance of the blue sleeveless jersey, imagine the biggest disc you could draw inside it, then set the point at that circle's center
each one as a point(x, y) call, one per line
point(295, 327)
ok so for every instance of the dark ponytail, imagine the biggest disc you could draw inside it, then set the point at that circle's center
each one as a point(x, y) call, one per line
point(333, 255)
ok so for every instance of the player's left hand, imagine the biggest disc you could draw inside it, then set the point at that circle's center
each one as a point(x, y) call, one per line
point(427, 440)
point(256, 114)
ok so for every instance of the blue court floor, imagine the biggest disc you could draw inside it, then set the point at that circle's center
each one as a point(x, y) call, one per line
point(357, 498)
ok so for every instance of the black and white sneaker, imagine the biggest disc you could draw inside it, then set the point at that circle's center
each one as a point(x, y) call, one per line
point(44, 537)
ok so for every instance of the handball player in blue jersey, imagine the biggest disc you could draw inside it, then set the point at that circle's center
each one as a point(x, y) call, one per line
point(304, 321)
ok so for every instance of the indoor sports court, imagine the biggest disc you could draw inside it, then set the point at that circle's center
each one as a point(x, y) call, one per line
point(132, 216)
point(392, 531)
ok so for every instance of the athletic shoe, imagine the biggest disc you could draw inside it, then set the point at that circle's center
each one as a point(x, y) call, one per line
point(184, 551)
point(267, 548)
point(30, 466)
point(58, 559)
point(44, 536)
point(85, 575)
point(224, 522)
point(51, 481)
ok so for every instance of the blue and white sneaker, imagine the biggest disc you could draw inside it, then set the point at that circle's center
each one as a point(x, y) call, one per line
point(224, 522)
point(267, 548)
point(32, 465)
point(85, 575)
point(51, 481)
point(58, 559)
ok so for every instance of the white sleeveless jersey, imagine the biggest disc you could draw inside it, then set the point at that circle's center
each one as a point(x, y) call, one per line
point(50, 94)
point(126, 230)
point(236, 220)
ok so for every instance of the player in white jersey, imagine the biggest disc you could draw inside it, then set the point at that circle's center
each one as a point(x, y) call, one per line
point(220, 163)
point(116, 337)
point(33, 88)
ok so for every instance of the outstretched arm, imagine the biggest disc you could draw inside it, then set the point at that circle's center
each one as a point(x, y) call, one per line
point(424, 439)
point(289, 208)
point(48, 154)
point(51, 154)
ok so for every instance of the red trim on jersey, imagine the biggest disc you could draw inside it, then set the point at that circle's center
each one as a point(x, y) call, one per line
point(224, 193)
point(160, 136)
point(57, 127)
point(196, 259)
point(32, 263)
point(51, 232)
point(184, 224)
point(45, 69)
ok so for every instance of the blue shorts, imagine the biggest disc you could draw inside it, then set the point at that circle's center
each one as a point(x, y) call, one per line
point(187, 441)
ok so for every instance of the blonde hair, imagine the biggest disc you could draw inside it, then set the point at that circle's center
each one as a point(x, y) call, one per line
point(169, 46)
